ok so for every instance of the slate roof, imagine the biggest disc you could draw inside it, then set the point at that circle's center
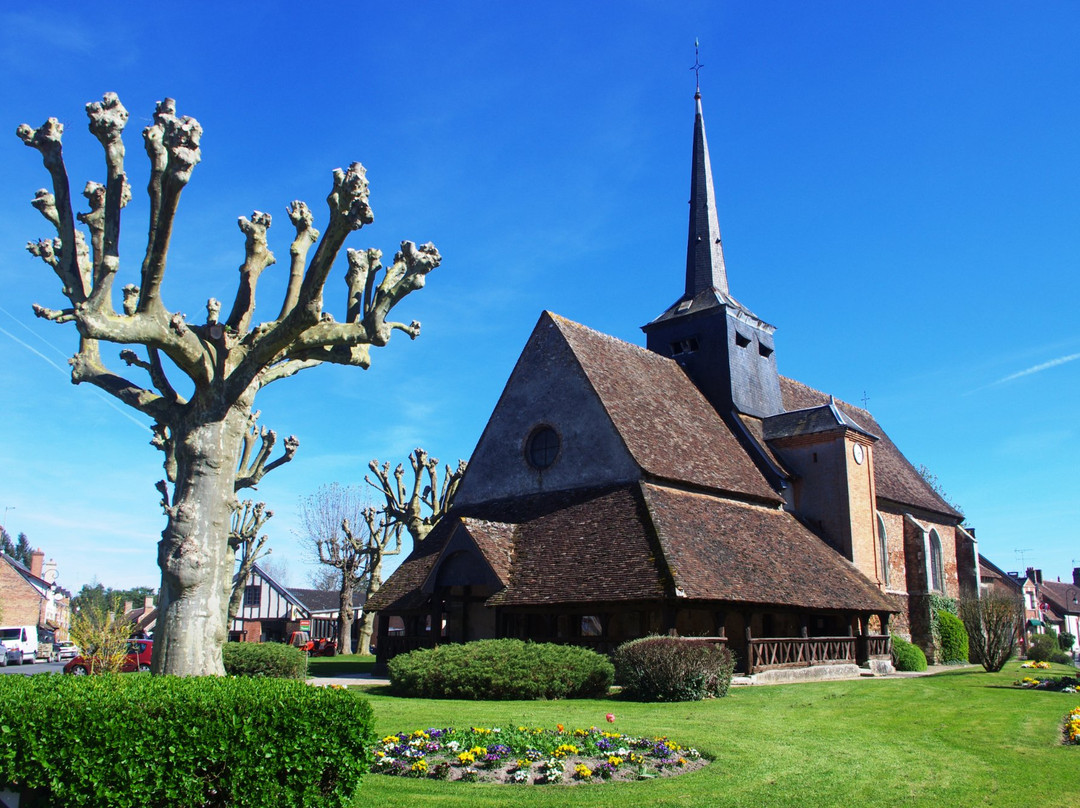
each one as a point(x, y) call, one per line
point(322, 600)
point(894, 477)
point(723, 550)
point(823, 418)
point(669, 427)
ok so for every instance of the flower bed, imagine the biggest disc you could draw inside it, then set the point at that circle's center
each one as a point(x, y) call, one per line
point(1072, 726)
point(528, 755)
point(1057, 684)
point(1043, 666)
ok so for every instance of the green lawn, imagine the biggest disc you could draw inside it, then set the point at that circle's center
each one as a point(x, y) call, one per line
point(961, 738)
point(340, 665)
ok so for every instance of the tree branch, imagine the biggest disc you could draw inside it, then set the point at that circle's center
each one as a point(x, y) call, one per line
point(306, 235)
point(87, 367)
point(257, 257)
point(107, 121)
point(249, 473)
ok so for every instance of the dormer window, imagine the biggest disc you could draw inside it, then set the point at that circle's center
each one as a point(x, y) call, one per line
point(741, 341)
point(764, 350)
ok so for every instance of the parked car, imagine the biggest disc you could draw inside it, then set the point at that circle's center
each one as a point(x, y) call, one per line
point(66, 649)
point(138, 659)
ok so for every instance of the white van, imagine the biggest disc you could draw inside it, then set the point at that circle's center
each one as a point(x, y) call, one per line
point(20, 644)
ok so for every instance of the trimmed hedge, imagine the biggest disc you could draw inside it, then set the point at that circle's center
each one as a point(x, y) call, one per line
point(130, 741)
point(500, 670)
point(273, 659)
point(906, 656)
point(954, 638)
point(673, 669)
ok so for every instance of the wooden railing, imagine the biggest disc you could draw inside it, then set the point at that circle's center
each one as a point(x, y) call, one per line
point(390, 647)
point(878, 646)
point(799, 652)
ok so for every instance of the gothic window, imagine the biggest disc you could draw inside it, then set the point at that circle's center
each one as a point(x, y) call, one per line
point(542, 447)
point(883, 550)
point(937, 571)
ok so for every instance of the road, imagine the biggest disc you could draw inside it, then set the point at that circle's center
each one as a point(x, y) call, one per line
point(37, 667)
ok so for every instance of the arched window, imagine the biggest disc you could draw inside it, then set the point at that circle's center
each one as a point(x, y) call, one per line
point(883, 550)
point(937, 571)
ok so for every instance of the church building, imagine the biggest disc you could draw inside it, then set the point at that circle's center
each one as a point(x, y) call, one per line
point(682, 488)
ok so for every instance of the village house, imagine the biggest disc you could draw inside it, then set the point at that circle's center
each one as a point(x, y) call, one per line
point(686, 488)
point(29, 596)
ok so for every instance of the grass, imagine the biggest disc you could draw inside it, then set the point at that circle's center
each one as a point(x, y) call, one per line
point(321, 667)
point(961, 738)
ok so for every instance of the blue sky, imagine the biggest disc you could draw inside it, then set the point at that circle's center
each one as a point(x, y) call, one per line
point(898, 194)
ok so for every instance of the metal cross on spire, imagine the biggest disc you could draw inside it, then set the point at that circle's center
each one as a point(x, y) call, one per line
point(697, 69)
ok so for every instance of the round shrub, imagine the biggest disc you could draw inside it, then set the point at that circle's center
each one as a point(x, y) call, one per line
point(272, 659)
point(906, 656)
point(673, 669)
point(1042, 648)
point(501, 669)
point(954, 638)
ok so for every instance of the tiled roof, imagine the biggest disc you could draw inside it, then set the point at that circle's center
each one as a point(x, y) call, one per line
point(496, 542)
point(894, 477)
point(401, 592)
point(666, 423)
point(322, 600)
point(596, 550)
point(1064, 597)
point(718, 549)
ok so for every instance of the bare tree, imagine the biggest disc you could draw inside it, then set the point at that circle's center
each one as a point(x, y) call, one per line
point(247, 520)
point(328, 517)
point(227, 361)
point(380, 531)
point(993, 623)
point(408, 509)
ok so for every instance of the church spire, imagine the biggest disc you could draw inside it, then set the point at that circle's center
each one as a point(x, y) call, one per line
point(704, 253)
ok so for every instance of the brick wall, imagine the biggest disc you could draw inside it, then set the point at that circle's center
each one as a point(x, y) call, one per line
point(21, 602)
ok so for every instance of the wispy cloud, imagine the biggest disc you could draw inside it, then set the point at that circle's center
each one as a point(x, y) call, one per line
point(1053, 363)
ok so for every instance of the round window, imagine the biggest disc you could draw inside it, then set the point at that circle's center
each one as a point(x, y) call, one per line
point(542, 447)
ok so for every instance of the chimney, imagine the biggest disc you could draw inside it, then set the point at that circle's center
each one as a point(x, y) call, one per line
point(128, 606)
point(148, 602)
point(1038, 577)
point(37, 559)
point(1076, 576)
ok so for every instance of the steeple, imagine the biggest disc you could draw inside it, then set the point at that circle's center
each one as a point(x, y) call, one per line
point(704, 252)
point(726, 349)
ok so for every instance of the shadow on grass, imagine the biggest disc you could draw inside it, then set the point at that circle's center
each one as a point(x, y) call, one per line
point(321, 667)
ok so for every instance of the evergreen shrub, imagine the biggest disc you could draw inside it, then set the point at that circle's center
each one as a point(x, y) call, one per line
point(906, 656)
point(954, 638)
point(1043, 647)
point(273, 659)
point(130, 741)
point(673, 669)
point(501, 669)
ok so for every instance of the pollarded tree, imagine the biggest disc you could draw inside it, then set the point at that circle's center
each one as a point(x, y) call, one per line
point(227, 361)
point(247, 520)
point(408, 509)
point(380, 531)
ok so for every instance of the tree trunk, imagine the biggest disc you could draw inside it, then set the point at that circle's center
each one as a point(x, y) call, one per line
point(345, 620)
point(194, 555)
point(366, 617)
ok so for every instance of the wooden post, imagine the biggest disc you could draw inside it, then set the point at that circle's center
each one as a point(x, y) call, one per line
point(747, 617)
point(804, 621)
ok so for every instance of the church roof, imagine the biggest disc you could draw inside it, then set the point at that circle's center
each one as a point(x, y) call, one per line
point(664, 420)
point(718, 549)
point(894, 476)
point(812, 420)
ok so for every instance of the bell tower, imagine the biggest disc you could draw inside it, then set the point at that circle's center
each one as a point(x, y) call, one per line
point(724, 348)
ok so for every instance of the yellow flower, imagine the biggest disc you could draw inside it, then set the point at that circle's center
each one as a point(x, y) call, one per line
point(565, 749)
point(614, 760)
point(466, 757)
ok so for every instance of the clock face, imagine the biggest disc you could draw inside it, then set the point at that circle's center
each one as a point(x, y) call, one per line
point(49, 576)
point(859, 453)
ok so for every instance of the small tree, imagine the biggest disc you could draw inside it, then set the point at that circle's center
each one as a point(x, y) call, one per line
point(248, 519)
point(102, 633)
point(991, 622)
point(328, 517)
point(226, 360)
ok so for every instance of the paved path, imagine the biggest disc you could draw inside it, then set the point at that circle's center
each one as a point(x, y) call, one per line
point(348, 679)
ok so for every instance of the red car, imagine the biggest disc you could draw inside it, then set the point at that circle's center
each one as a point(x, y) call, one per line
point(138, 659)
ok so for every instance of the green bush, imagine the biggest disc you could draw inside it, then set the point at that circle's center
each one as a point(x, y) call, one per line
point(954, 638)
point(906, 656)
point(273, 659)
point(1043, 647)
point(1066, 640)
point(673, 669)
point(501, 669)
point(116, 741)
